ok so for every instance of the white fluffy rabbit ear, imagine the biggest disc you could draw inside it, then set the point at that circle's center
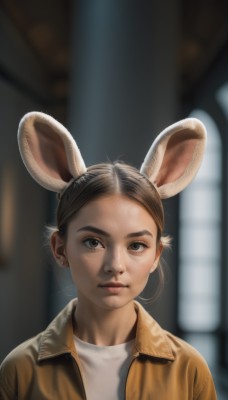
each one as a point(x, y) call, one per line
point(49, 151)
point(175, 156)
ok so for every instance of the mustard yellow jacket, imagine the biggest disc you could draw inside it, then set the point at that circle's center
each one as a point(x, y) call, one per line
point(47, 366)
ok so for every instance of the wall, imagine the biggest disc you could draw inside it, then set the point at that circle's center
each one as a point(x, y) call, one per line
point(22, 275)
point(124, 92)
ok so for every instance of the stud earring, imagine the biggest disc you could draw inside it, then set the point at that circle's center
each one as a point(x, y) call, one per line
point(64, 262)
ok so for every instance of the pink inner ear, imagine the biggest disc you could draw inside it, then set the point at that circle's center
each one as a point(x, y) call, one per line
point(48, 151)
point(178, 155)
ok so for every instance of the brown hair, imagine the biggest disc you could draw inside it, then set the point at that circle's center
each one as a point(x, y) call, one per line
point(107, 179)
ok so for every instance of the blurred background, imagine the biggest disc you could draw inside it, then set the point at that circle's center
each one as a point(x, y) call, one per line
point(117, 72)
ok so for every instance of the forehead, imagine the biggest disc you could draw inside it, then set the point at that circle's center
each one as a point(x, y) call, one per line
point(109, 212)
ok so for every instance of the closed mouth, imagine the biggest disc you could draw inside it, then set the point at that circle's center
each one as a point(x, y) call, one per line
point(113, 284)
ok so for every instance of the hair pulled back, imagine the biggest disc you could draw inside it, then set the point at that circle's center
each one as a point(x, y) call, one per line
point(108, 179)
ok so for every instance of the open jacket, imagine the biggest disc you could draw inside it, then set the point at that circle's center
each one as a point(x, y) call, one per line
point(47, 366)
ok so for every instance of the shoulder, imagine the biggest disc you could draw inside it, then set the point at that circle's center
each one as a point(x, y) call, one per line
point(27, 350)
point(23, 362)
point(25, 353)
point(19, 361)
point(184, 363)
point(162, 343)
point(192, 364)
point(184, 352)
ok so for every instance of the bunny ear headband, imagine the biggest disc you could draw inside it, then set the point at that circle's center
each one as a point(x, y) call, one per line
point(52, 157)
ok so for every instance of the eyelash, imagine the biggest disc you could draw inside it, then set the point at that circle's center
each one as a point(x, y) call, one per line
point(88, 241)
point(144, 245)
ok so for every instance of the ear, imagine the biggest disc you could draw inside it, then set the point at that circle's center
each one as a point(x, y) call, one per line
point(175, 156)
point(49, 151)
point(58, 249)
point(157, 258)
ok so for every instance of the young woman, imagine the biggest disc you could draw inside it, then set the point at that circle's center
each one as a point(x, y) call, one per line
point(104, 345)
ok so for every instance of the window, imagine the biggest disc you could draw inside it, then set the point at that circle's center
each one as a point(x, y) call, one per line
point(200, 254)
point(222, 99)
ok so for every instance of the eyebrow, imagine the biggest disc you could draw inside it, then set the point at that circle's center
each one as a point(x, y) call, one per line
point(91, 228)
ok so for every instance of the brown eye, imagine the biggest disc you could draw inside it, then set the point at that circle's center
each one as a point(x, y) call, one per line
point(92, 243)
point(137, 246)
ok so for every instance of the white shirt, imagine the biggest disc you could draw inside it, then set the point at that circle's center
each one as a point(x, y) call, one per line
point(104, 369)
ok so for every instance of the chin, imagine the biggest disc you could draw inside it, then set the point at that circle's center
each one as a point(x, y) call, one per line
point(114, 303)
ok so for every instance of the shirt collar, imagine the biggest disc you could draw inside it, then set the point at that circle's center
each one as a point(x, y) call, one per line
point(151, 339)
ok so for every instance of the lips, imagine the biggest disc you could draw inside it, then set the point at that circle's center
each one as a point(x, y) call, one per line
point(112, 288)
point(113, 284)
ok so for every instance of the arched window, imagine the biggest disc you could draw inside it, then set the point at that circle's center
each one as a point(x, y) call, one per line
point(222, 100)
point(200, 248)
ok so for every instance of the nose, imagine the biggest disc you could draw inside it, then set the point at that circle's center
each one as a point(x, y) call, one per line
point(114, 262)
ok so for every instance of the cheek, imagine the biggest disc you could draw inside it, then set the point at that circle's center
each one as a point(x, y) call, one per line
point(144, 271)
point(81, 274)
point(143, 264)
point(84, 266)
point(140, 275)
point(140, 282)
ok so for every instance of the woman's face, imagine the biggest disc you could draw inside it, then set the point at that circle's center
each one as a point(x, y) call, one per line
point(111, 249)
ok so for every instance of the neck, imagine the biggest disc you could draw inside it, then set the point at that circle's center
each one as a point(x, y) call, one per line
point(104, 327)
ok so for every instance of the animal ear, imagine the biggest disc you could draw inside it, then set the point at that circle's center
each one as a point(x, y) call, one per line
point(175, 156)
point(49, 152)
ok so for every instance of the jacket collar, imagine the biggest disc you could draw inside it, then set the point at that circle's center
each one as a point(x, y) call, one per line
point(58, 338)
point(151, 339)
